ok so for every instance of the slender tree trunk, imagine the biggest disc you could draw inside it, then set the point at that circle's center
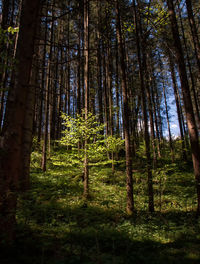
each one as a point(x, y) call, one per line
point(193, 90)
point(117, 91)
point(142, 68)
point(42, 88)
point(47, 98)
point(3, 95)
point(166, 110)
point(100, 92)
point(150, 108)
point(129, 179)
point(46, 119)
point(184, 156)
point(54, 99)
point(79, 71)
point(60, 106)
point(168, 124)
point(86, 86)
point(105, 94)
point(68, 69)
point(153, 83)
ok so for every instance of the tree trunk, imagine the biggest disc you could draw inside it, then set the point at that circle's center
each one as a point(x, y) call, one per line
point(29, 117)
point(142, 69)
point(153, 83)
point(150, 108)
point(47, 98)
point(194, 32)
point(192, 129)
point(126, 111)
point(180, 121)
point(11, 147)
point(193, 88)
point(86, 86)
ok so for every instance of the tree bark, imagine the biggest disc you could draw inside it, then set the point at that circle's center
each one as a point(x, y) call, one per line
point(11, 147)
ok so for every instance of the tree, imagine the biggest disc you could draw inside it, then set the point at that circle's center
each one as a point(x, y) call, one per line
point(142, 70)
point(11, 147)
point(86, 86)
point(187, 99)
point(126, 112)
point(76, 131)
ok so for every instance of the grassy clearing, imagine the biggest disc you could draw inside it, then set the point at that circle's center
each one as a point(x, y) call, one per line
point(56, 226)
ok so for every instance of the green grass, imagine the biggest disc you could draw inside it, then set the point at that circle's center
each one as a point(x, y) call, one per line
point(56, 226)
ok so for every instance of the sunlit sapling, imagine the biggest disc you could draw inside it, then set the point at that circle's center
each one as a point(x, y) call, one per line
point(114, 145)
point(6, 35)
point(77, 130)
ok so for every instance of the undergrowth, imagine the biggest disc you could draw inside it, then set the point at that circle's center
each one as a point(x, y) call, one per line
point(55, 225)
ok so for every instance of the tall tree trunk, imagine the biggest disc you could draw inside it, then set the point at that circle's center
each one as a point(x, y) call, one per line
point(11, 147)
point(42, 88)
point(105, 94)
point(180, 121)
point(129, 179)
point(150, 108)
point(166, 110)
point(86, 86)
point(79, 69)
point(46, 119)
point(153, 84)
point(68, 69)
point(168, 124)
point(100, 92)
point(192, 129)
point(47, 98)
point(142, 69)
point(117, 91)
point(193, 90)
point(29, 117)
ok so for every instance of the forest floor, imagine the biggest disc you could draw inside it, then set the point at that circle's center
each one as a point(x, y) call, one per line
point(57, 226)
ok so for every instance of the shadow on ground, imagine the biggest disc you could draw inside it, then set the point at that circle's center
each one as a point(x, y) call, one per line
point(91, 236)
point(55, 227)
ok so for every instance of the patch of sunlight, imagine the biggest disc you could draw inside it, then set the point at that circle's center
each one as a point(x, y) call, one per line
point(160, 237)
point(193, 255)
point(59, 163)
